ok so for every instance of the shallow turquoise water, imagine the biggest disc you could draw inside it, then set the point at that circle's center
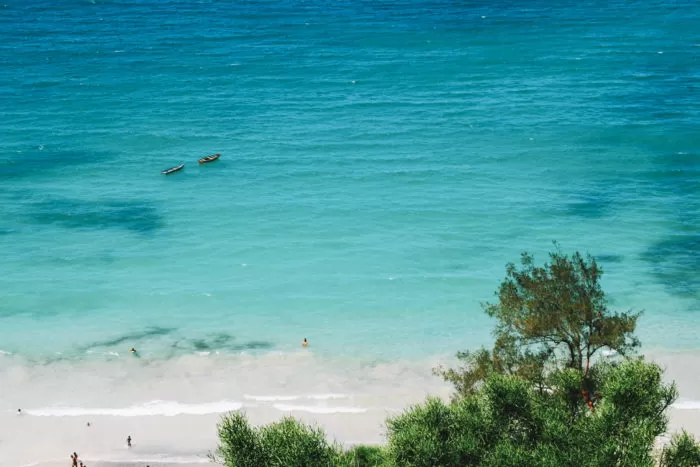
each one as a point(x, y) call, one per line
point(380, 165)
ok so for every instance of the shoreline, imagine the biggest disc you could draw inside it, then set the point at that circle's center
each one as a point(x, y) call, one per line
point(688, 419)
point(171, 408)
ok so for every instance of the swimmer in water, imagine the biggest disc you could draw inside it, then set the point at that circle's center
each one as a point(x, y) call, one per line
point(305, 343)
point(133, 350)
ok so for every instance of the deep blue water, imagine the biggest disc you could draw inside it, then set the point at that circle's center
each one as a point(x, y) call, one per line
point(381, 163)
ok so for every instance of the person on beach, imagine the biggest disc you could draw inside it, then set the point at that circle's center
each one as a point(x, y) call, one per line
point(74, 459)
point(19, 411)
point(305, 343)
point(128, 441)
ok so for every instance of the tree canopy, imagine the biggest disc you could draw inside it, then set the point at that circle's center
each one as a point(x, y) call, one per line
point(548, 318)
point(539, 397)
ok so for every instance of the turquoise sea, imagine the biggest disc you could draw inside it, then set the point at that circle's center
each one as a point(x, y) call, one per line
point(381, 163)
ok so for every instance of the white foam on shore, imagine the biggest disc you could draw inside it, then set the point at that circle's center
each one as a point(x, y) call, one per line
point(323, 397)
point(166, 408)
point(270, 398)
point(318, 397)
point(318, 409)
point(687, 405)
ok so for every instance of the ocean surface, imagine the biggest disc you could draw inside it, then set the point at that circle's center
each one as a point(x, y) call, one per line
point(381, 163)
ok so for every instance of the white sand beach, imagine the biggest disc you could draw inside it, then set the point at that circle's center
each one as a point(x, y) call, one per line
point(170, 409)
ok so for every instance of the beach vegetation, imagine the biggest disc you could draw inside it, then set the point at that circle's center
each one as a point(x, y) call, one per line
point(548, 318)
point(509, 422)
point(682, 451)
point(543, 395)
point(363, 456)
point(287, 442)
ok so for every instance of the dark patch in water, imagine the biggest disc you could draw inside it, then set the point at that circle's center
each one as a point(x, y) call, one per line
point(136, 216)
point(675, 262)
point(224, 342)
point(131, 338)
point(609, 258)
point(35, 162)
point(200, 344)
point(211, 342)
point(220, 341)
point(253, 345)
point(675, 259)
point(221, 338)
point(590, 205)
point(215, 341)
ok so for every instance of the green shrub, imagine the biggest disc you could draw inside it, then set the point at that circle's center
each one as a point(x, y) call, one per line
point(239, 443)
point(363, 456)
point(540, 397)
point(290, 443)
point(287, 443)
point(436, 433)
point(683, 451)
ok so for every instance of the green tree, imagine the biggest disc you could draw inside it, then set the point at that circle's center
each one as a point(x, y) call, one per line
point(507, 422)
point(682, 451)
point(549, 318)
point(524, 403)
point(239, 443)
point(363, 456)
point(287, 443)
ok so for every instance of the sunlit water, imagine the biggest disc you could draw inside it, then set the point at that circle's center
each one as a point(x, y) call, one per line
point(381, 163)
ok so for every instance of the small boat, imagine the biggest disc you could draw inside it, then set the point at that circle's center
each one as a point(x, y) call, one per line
point(204, 160)
point(173, 169)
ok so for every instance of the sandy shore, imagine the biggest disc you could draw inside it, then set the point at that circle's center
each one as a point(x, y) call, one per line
point(182, 440)
point(350, 403)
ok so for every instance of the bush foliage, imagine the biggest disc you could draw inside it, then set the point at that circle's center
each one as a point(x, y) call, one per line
point(541, 397)
point(284, 443)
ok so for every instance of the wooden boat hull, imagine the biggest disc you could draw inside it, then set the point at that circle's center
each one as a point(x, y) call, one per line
point(206, 160)
point(172, 170)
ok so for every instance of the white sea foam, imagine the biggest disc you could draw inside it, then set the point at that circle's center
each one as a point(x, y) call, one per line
point(318, 397)
point(270, 398)
point(167, 408)
point(318, 409)
point(687, 405)
point(328, 396)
